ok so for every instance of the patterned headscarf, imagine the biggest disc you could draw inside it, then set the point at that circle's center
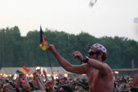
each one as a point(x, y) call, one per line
point(99, 47)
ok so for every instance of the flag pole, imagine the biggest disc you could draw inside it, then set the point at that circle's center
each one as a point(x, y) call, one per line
point(50, 63)
point(44, 45)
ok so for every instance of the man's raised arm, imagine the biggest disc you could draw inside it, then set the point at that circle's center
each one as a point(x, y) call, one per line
point(64, 63)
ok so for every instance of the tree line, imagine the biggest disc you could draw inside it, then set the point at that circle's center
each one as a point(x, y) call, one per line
point(16, 50)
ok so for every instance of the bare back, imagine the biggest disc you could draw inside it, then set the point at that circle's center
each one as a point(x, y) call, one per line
point(99, 82)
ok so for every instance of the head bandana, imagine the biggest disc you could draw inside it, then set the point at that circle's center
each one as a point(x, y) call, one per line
point(99, 47)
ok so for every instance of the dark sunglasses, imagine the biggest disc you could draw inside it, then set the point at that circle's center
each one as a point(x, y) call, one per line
point(91, 53)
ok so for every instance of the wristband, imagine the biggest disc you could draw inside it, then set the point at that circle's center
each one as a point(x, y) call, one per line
point(85, 59)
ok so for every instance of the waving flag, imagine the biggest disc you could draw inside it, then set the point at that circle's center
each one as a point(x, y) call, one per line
point(43, 40)
point(23, 70)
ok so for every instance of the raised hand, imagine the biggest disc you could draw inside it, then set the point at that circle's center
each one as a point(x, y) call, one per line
point(51, 47)
point(44, 72)
point(78, 55)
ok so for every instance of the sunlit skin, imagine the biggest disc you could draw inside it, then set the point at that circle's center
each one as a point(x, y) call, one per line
point(99, 74)
point(99, 80)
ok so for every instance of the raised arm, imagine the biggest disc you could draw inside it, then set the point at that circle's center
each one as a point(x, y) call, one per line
point(20, 75)
point(103, 67)
point(27, 87)
point(64, 63)
point(39, 82)
point(45, 74)
point(40, 86)
point(18, 81)
point(34, 80)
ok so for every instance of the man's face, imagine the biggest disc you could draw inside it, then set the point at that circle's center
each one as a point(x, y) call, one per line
point(92, 56)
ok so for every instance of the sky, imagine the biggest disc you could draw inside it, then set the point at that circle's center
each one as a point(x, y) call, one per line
point(106, 18)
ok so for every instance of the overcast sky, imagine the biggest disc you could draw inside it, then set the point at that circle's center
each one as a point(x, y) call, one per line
point(105, 18)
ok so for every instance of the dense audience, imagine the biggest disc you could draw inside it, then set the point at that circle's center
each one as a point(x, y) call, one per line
point(126, 83)
point(39, 83)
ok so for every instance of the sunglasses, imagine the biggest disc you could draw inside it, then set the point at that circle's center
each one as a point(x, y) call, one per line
point(91, 53)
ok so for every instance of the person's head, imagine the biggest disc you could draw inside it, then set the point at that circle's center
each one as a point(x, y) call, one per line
point(62, 80)
point(49, 84)
point(71, 82)
point(97, 51)
point(65, 89)
point(79, 86)
point(7, 88)
point(131, 84)
point(26, 88)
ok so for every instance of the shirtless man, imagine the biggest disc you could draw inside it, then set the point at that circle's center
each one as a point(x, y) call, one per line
point(100, 77)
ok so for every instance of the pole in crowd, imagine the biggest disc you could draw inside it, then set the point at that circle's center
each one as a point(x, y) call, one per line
point(44, 44)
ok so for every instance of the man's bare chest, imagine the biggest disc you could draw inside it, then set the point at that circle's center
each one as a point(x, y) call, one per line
point(93, 74)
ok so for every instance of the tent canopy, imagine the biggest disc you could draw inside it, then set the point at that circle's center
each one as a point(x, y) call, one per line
point(12, 70)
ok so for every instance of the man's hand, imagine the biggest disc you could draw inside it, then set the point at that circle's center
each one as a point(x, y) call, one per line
point(78, 55)
point(51, 47)
point(44, 72)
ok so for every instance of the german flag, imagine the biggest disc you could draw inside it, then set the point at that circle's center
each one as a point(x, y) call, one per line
point(23, 70)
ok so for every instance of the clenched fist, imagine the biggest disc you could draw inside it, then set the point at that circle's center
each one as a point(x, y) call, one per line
point(51, 47)
point(78, 55)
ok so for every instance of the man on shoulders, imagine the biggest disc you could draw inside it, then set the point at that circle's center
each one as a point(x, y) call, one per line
point(100, 77)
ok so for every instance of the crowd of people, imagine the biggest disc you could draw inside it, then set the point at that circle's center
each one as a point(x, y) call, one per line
point(126, 83)
point(39, 83)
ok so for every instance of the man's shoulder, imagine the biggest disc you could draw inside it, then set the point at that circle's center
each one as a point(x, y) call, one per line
point(107, 69)
point(86, 65)
point(107, 66)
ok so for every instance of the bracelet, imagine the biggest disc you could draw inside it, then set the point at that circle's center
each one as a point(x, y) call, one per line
point(85, 59)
